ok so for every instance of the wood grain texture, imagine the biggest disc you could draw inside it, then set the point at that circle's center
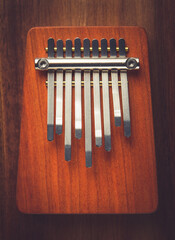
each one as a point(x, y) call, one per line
point(120, 181)
point(157, 17)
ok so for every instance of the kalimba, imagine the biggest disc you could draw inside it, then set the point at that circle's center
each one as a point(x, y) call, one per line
point(87, 142)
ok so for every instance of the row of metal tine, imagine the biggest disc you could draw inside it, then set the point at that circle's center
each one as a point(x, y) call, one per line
point(87, 96)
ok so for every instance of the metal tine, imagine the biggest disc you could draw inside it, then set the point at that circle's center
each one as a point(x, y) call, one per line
point(125, 92)
point(59, 49)
point(96, 90)
point(115, 88)
point(50, 94)
point(78, 106)
point(68, 103)
point(59, 91)
point(106, 106)
point(87, 107)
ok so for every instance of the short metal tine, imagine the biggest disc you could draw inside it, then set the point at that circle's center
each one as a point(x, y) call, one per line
point(68, 48)
point(50, 94)
point(104, 52)
point(113, 52)
point(59, 91)
point(96, 90)
point(68, 103)
point(78, 106)
point(95, 52)
point(106, 105)
point(77, 43)
point(125, 92)
point(115, 88)
point(86, 44)
point(87, 107)
point(59, 49)
point(122, 52)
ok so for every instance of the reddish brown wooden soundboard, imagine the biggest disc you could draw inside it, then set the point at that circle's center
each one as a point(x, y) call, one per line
point(121, 181)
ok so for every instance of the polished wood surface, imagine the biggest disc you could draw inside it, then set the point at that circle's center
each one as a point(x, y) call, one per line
point(120, 181)
point(157, 17)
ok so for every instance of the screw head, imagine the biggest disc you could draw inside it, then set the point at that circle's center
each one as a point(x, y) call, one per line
point(43, 64)
point(131, 63)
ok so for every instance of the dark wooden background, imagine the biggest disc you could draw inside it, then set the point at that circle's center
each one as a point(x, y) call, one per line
point(157, 17)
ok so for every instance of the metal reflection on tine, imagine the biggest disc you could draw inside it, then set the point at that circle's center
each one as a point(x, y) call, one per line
point(125, 92)
point(106, 105)
point(96, 91)
point(115, 88)
point(87, 107)
point(78, 106)
point(50, 94)
point(68, 103)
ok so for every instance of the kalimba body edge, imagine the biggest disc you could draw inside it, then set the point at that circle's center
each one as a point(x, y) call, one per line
point(120, 181)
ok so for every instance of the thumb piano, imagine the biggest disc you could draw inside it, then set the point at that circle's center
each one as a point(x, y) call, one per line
point(86, 138)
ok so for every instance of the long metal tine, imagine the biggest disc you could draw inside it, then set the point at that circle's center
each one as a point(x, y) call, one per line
point(106, 105)
point(115, 88)
point(125, 92)
point(87, 107)
point(50, 94)
point(78, 106)
point(96, 90)
point(59, 91)
point(68, 104)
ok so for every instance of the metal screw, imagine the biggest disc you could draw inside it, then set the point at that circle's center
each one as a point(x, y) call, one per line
point(131, 63)
point(43, 63)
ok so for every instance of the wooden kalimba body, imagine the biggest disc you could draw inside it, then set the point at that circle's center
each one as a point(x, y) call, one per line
point(87, 141)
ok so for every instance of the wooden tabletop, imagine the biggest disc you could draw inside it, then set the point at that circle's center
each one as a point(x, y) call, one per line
point(17, 17)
